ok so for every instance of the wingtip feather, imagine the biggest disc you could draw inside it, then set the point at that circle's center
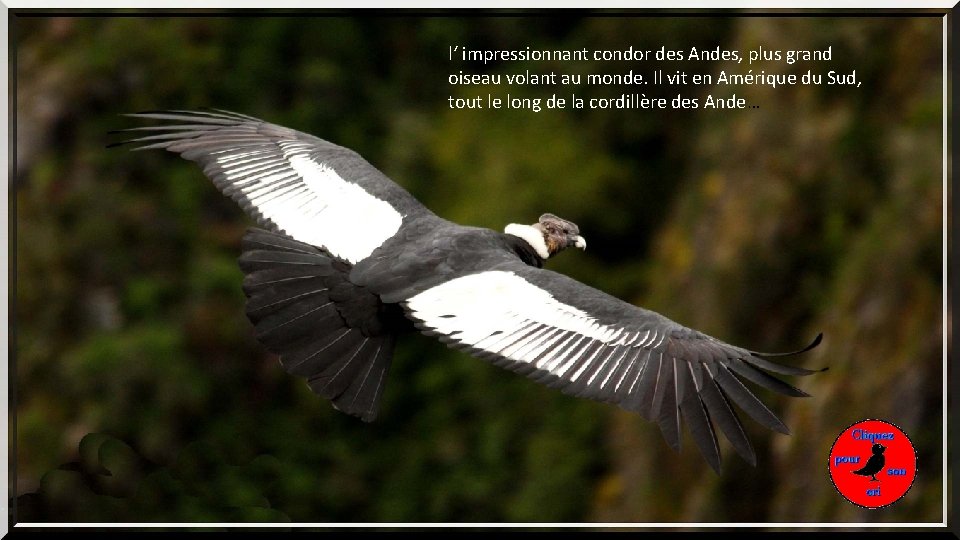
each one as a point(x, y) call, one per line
point(813, 344)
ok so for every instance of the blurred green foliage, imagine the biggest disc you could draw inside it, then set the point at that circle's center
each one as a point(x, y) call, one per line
point(819, 211)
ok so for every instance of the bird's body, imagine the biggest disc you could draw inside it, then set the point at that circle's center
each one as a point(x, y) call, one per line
point(349, 260)
point(874, 464)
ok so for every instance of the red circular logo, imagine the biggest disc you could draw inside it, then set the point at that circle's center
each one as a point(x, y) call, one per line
point(873, 463)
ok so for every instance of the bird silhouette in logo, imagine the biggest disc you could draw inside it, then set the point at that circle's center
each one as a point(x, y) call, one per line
point(874, 464)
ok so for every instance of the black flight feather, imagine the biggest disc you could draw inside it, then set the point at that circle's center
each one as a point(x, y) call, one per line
point(740, 395)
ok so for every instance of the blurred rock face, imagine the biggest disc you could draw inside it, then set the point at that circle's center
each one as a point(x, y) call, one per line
point(820, 211)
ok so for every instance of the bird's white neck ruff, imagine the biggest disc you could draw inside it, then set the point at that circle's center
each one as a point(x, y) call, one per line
point(530, 235)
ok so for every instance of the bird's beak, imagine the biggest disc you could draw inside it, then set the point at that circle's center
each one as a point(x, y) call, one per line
point(580, 242)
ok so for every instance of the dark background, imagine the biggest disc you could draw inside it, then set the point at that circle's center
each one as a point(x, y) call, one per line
point(141, 394)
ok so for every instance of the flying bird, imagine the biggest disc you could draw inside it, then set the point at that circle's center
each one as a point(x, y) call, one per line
point(346, 260)
point(874, 464)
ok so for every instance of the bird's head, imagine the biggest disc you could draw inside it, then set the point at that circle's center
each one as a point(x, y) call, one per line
point(878, 448)
point(549, 235)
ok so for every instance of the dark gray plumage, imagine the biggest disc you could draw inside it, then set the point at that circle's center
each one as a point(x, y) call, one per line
point(339, 336)
point(350, 260)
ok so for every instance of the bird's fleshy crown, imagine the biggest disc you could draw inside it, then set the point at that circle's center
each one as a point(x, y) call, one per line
point(549, 236)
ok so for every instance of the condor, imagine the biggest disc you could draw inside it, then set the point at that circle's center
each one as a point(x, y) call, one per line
point(347, 260)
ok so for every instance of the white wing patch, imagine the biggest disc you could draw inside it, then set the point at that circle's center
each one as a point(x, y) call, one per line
point(502, 313)
point(311, 202)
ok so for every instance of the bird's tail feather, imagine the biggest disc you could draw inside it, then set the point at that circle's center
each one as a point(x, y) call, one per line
point(323, 327)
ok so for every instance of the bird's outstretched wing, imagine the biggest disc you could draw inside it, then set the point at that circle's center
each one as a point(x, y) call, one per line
point(291, 182)
point(569, 336)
